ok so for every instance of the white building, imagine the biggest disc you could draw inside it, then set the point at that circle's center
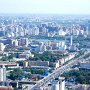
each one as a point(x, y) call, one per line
point(58, 84)
point(61, 32)
point(3, 73)
point(15, 43)
point(57, 64)
point(2, 47)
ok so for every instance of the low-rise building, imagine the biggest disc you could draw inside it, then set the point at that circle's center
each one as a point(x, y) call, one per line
point(25, 55)
point(60, 52)
point(9, 64)
point(66, 58)
point(56, 64)
point(84, 65)
point(6, 88)
point(79, 87)
point(36, 63)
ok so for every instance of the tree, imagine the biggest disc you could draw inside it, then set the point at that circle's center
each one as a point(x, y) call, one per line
point(37, 71)
point(20, 63)
point(16, 74)
point(11, 56)
point(5, 58)
point(81, 76)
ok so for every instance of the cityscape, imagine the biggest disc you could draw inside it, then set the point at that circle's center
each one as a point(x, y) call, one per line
point(44, 51)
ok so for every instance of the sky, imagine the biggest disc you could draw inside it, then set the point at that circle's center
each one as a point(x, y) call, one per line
point(45, 6)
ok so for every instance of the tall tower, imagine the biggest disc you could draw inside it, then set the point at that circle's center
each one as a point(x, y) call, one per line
point(71, 40)
point(3, 73)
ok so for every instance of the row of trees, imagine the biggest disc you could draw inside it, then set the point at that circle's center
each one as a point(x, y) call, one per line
point(46, 56)
point(7, 58)
point(38, 71)
point(49, 38)
point(80, 76)
point(18, 74)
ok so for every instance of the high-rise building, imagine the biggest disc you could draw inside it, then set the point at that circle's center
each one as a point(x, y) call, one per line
point(3, 73)
point(58, 83)
point(23, 42)
point(61, 32)
point(71, 40)
point(35, 31)
point(15, 43)
point(2, 47)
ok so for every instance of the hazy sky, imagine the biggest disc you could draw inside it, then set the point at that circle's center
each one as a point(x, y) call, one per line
point(45, 6)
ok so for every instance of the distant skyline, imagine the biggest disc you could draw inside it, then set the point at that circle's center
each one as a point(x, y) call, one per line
point(45, 6)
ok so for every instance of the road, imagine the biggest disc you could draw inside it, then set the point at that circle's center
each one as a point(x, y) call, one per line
point(56, 73)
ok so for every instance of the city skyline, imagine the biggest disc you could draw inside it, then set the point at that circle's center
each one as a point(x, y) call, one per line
point(45, 7)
